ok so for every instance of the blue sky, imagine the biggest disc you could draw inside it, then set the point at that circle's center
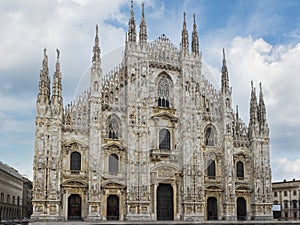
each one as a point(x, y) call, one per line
point(262, 41)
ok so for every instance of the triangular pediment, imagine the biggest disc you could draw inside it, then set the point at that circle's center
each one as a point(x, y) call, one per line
point(165, 114)
point(74, 183)
point(114, 144)
point(214, 188)
point(113, 184)
point(242, 188)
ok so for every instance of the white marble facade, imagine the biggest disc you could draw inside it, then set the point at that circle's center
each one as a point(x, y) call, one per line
point(152, 140)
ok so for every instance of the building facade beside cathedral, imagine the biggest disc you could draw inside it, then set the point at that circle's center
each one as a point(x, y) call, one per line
point(152, 140)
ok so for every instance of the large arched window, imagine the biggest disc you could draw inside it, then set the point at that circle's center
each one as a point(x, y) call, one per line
point(113, 164)
point(211, 169)
point(210, 136)
point(75, 161)
point(164, 139)
point(114, 127)
point(163, 93)
point(240, 169)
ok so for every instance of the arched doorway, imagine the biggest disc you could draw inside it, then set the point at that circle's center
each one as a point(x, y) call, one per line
point(212, 208)
point(112, 207)
point(74, 207)
point(164, 202)
point(241, 208)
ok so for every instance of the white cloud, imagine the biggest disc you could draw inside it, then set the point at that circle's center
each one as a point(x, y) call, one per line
point(284, 168)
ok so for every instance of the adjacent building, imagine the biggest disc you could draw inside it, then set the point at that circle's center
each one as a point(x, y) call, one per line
point(151, 140)
point(286, 196)
point(12, 187)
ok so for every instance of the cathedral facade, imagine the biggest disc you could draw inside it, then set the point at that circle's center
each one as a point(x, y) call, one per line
point(152, 140)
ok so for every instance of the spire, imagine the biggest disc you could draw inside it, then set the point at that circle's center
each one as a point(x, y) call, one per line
point(195, 41)
point(143, 28)
point(57, 86)
point(253, 106)
point(131, 26)
point(96, 48)
point(184, 35)
point(44, 83)
point(225, 77)
point(262, 107)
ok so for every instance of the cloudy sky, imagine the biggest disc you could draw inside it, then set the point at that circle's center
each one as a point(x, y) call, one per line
point(261, 38)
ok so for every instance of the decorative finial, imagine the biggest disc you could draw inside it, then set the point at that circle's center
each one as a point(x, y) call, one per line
point(224, 58)
point(260, 87)
point(45, 51)
point(58, 52)
point(143, 12)
point(131, 4)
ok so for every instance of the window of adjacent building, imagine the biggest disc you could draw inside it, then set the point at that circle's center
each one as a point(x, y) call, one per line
point(211, 168)
point(294, 204)
point(75, 161)
point(210, 136)
point(285, 193)
point(286, 215)
point(18, 200)
point(113, 164)
point(8, 199)
point(275, 194)
point(164, 139)
point(2, 197)
point(240, 169)
point(295, 215)
point(294, 192)
point(163, 93)
point(113, 127)
point(286, 204)
point(13, 200)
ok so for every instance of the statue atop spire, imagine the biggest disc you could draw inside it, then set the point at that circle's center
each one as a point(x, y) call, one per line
point(96, 48)
point(57, 62)
point(143, 28)
point(184, 36)
point(195, 41)
point(131, 26)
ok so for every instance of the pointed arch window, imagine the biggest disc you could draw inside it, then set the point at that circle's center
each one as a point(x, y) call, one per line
point(240, 169)
point(210, 136)
point(164, 139)
point(75, 161)
point(113, 127)
point(163, 93)
point(113, 164)
point(211, 169)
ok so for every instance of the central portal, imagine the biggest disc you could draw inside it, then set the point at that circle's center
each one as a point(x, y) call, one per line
point(164, 202)
point(74, 207)
point(113, 207)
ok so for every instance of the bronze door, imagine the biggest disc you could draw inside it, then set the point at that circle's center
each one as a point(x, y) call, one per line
point(241, 208)
point(112, 207)
point(74, 207)
point(165, 205)
point(212, 208)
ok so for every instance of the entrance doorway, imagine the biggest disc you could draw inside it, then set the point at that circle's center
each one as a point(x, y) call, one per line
point(112, 207)
point(74, 207)
point(241, 209)
point(164, 202)
point(212, 208)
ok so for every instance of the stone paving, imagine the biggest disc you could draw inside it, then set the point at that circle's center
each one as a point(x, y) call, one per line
point(275, 222)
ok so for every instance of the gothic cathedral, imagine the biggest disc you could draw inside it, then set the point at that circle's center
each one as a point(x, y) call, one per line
point(152, 140)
